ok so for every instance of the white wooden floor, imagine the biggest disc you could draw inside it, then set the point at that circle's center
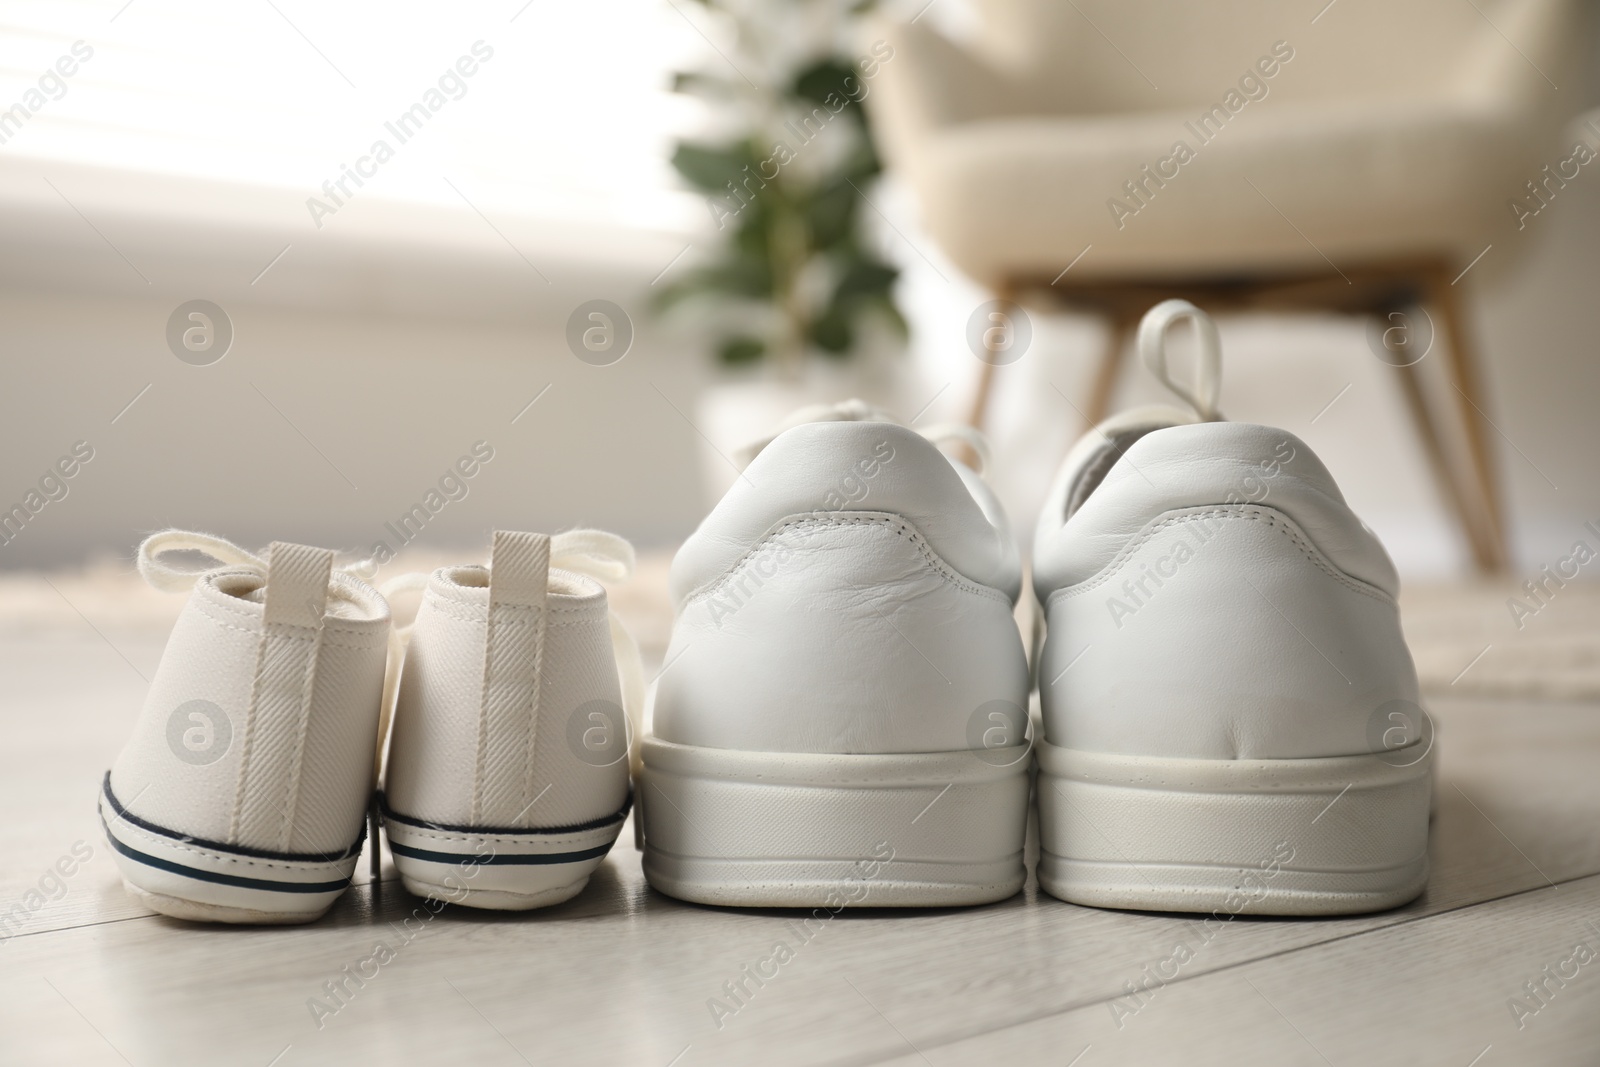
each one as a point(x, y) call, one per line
point(623, 975)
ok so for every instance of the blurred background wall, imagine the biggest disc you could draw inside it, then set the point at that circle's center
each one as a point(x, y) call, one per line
point(431, 311)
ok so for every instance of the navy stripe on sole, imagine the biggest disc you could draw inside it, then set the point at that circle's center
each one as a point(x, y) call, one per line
point(127, 816)
point(475, 860)
point(223, 879)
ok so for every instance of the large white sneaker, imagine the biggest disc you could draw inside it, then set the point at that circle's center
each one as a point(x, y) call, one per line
point(242, 794)
point(840, 719)
point(1230, 711)
point(507, 778)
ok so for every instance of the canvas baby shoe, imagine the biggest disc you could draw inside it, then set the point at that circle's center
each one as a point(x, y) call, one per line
point(242, 794)
point(841, 718)
point(1230, 711)
point(508, 773)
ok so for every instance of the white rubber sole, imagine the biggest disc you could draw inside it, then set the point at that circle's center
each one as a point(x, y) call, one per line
point(1263, 837)
point(498, 869)
point(205, 881)
point(801, 830)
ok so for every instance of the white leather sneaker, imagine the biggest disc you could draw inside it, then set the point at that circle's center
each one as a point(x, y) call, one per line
point(841, 714)
point(1230, 710)
point(242, 795)
point(507, 778)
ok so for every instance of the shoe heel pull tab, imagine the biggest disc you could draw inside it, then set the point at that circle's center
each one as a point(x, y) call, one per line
point(295, 604)
point(297, 585)
point(1208, 372)
point(513, 667)
point(519, 569)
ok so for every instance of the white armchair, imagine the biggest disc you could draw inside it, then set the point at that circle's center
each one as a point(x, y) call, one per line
point(1354, 156)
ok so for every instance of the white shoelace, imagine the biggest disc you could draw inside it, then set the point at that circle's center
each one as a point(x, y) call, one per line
point(594, 553)
point(1152, 342)
point(169, 579)
point(1091, 458)
point(861, 411)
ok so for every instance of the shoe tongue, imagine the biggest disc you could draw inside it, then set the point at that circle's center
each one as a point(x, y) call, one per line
point(1097, 451)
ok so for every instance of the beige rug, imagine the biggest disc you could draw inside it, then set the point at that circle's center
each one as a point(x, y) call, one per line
point(1466, 640)
point(1464, 637)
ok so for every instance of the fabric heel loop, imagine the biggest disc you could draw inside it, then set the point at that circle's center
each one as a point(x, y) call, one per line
point(513, 665)
point(276, 726)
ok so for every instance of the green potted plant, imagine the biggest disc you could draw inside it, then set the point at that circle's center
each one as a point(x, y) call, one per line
point(804, 305)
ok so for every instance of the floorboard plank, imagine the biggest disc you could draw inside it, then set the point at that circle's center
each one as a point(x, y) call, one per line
point(1449, 989)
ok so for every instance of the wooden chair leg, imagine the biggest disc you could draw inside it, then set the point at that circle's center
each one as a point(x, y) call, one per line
point(1109, 371)
point(1461, 362)
point(1439, 460)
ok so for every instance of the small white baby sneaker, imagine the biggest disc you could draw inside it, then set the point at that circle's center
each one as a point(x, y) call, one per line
point(1230, 711)
point(242, 795)
point(842, 719)
point(508, 770)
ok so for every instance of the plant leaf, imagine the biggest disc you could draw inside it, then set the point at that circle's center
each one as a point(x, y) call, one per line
point(833, 331)
point(709, 169)
point(737, 350)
